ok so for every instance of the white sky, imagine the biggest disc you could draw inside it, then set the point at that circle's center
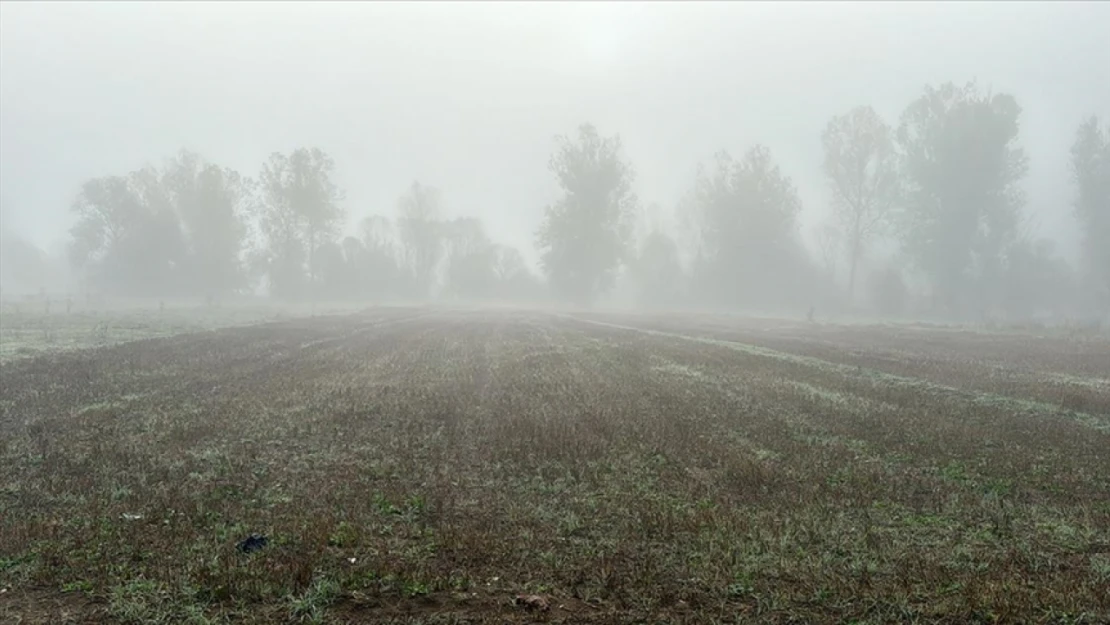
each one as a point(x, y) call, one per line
point(468, 97)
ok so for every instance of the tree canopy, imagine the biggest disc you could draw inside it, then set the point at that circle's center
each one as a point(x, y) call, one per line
point(584, 235)
point(962, 166)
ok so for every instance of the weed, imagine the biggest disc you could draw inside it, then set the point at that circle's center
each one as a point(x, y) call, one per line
point(311, 605)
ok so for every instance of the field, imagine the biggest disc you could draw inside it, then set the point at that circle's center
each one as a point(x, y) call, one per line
point(36, 327)
point(419, 465)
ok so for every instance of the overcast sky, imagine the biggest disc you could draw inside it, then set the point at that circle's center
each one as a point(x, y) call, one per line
point(468, 97)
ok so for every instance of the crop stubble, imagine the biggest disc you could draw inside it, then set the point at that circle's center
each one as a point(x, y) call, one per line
point(422, 465)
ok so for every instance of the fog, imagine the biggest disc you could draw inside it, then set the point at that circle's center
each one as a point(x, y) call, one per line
point(453, 111)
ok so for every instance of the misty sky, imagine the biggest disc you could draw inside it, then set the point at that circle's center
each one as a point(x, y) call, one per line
point(468, 97)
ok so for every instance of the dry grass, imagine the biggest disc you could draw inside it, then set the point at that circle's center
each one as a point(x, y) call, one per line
point(29, 329)
point(415, 466)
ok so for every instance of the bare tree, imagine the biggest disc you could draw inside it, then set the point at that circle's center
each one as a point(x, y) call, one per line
point(862, 168)
point(421, 233)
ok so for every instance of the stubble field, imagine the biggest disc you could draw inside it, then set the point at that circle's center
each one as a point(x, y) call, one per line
point(415, 465)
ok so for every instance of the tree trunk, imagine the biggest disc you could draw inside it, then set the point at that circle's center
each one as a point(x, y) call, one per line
point(853, 261)
point(312, 266)
point(857, 236)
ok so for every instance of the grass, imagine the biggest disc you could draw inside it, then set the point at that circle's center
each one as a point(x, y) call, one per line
point(31, 329)
point(420, 466)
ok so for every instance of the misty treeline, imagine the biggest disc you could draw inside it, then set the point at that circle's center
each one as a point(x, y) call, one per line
point(194, 228)
point(940, 190)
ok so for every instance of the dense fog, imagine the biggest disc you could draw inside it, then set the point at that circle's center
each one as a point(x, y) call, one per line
point(907, 160)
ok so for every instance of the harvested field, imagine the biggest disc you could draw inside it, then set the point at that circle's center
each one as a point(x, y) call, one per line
point(27, 330)
point(416, 465)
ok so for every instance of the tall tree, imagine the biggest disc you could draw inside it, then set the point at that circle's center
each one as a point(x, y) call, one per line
point(301, 211)
point(507, 263)
point(421, 230)
point(470, 270)
point(657, 272)
point(106, 208)
point(1036, 280)
point(862, 169)
point(1090, 164)
point(128, 236)
point(584, 235)
point(377, 232)
point(962, 166)
point(341, 270)
point(213, 203)
point(829, 239)
point(745, 215)
point(280, 225)
point(513, 280)
point(379, 264)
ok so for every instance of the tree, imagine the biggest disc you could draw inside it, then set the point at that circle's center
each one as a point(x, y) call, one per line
point(300, 212)
point(213, 203)
point(316, 198)
point(377, 233)
point(280, 225)
point(745, 215)
point(584, 235)
point(128, 236)
point(421, 234)
point(828, 238)
point(106, 208)
point(176, 230)
point(378, 265)
point(1090, 164)
point(657, 272)
point(354, 282)
point(962, 166)
point(342, 266)
point(862, 169)
point(513, 280)
point(334, 279)
point(507, 263)
point(888, 291)
point(470, 270)
point(1036, 280)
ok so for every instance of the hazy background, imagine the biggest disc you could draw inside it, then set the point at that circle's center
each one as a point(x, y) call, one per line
point(468, 96)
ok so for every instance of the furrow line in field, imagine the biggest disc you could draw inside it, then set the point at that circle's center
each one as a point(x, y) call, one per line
point(1097, 422)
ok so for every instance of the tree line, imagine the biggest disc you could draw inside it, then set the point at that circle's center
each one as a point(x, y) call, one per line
point(194, 228)
point(942, 188)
